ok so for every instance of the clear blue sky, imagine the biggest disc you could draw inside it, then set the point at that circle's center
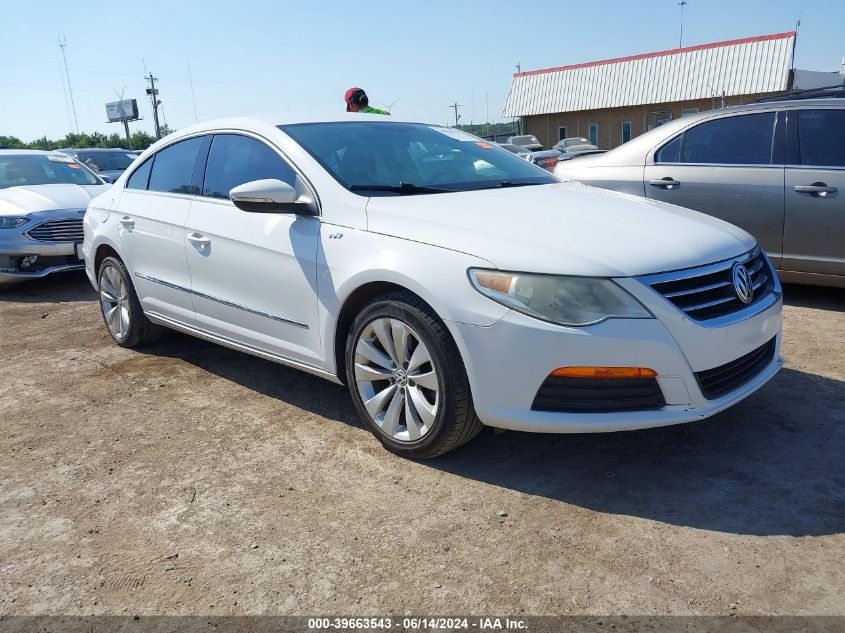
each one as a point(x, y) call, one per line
point(265, 56)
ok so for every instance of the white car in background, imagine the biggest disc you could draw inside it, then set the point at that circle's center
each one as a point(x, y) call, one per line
point(449, 283)
point(43, 196)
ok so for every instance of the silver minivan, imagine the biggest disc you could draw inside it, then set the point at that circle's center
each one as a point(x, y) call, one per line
point(775, 169)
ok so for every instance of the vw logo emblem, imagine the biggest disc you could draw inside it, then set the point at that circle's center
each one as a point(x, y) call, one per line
point(742, 283)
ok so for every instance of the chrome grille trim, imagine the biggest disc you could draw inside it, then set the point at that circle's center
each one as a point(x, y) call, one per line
point(706, 296)
point(64, 230)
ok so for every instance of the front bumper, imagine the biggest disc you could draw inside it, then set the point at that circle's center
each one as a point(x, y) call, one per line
point(55, 257)
point(506, 364)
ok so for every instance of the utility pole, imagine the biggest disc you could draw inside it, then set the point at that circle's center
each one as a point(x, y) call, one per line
point(682, 4)
point(455, 107)
point(62, 44)
point(153, 92)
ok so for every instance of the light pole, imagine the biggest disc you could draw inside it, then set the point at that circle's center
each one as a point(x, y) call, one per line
point(682, 4)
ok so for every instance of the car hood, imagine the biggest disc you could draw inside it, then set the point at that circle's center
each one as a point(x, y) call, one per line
point(564, 228)
point(33, 198)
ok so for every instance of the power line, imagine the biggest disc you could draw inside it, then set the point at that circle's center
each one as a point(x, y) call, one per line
point(62, 44)
point(193, 96)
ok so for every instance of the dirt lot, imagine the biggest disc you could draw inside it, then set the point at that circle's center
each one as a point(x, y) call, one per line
point(187, 478)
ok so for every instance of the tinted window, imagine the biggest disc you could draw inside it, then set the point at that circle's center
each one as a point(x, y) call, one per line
point(106, 161)
point(387, 154)
point(736, 140)
point(821, 137)
point(141, 176)
point(671, 152)
point(234, 160)
point(174, 168)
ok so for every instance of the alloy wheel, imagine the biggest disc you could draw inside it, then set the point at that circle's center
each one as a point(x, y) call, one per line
point(397, 379)
point(114, 301)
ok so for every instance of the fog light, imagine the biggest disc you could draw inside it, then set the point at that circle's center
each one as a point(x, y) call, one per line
point(28, 261)
point(603, 372)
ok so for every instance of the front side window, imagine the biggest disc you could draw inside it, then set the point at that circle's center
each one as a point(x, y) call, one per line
point(234, 160)
point(140, 178)
point(669, 153)
point(386, 158)
point(821, 137)
point(594, 133)
point(40, 169)
point(733, 140)
point(173, 168)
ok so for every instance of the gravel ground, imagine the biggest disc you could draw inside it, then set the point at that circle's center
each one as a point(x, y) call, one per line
point(190, 479)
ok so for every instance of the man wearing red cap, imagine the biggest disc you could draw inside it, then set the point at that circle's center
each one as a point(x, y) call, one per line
point(357, 101)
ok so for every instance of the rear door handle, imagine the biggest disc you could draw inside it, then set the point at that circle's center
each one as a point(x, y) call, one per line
point(199, 240)
point(127, 222)
point(665, 183)
point(817, 189)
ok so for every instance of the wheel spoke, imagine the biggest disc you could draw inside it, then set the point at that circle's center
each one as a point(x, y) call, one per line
point(426, 379)
point(369, 373)
point(107, 297)
point(419, 357)
point(110, 317)
point(390, 422)
point(412, 423)
point(399, 332)
point(366, 349)
point(375, 405)
point(124, 321)
point(114, 279)
point(107, 285)
point(381, 328)
point(425, 411)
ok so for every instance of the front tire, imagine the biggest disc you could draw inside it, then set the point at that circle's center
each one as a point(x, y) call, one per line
point(407, 378)
point(122, 313)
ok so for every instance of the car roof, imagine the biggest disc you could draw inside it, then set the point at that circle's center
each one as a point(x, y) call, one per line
point(28, 152)
point(98, 149)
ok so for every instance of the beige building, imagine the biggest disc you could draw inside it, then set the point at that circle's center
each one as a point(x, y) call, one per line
point(614, 100)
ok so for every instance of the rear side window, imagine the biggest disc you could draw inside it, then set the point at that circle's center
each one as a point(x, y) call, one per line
point(735, 140)
point(234, 160)
point(821, 137)
point(141, 176)
point(173, 168)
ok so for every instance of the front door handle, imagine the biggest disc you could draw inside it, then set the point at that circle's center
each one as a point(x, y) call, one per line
point(665, 183)
point(199, 240)
point(127, 222)
point(817, 189)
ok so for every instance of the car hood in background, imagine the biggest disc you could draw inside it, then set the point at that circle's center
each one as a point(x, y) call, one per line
point(565, 228)
point(32, 198)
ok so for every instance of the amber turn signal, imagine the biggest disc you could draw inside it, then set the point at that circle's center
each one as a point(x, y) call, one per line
point(604, 372)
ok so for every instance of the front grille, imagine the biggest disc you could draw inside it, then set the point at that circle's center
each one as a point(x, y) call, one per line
point(598, 395)
point(708, 292)
point(720, 380)
point(65, 230)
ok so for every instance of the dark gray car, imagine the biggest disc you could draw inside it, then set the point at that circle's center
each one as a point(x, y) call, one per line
point(776, 170)
point(107, 163)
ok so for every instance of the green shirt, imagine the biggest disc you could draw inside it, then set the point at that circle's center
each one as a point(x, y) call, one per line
point(369, 110)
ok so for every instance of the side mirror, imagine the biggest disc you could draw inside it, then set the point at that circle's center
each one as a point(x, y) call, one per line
point(273, 196)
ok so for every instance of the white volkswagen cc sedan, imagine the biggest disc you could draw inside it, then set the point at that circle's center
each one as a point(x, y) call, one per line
point(447, 282)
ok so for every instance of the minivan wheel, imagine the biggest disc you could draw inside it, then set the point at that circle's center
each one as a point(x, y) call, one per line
point(407, 378)
point(119, 305)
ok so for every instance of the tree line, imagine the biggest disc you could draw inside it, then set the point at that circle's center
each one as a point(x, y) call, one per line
point(138, 140)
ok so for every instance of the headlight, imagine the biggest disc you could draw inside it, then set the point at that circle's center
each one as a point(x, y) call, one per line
point(563, 300)
point(12, 222)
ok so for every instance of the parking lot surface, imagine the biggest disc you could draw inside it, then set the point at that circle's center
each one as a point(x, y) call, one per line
point(188, 478)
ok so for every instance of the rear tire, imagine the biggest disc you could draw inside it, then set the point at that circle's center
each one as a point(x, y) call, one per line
point(125, 320)
point(407, 378)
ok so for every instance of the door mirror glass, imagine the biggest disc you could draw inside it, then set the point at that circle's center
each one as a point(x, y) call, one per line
point(269, 195)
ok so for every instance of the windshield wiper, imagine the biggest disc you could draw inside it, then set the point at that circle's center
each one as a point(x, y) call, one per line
point(510, 183)
point(403, 188)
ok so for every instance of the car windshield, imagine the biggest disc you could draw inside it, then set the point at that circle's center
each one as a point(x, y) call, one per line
point(39, 169)
point(515, 149)
point(106, 161)
point(575, 141)
point(375, 158)
point(525, 140)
